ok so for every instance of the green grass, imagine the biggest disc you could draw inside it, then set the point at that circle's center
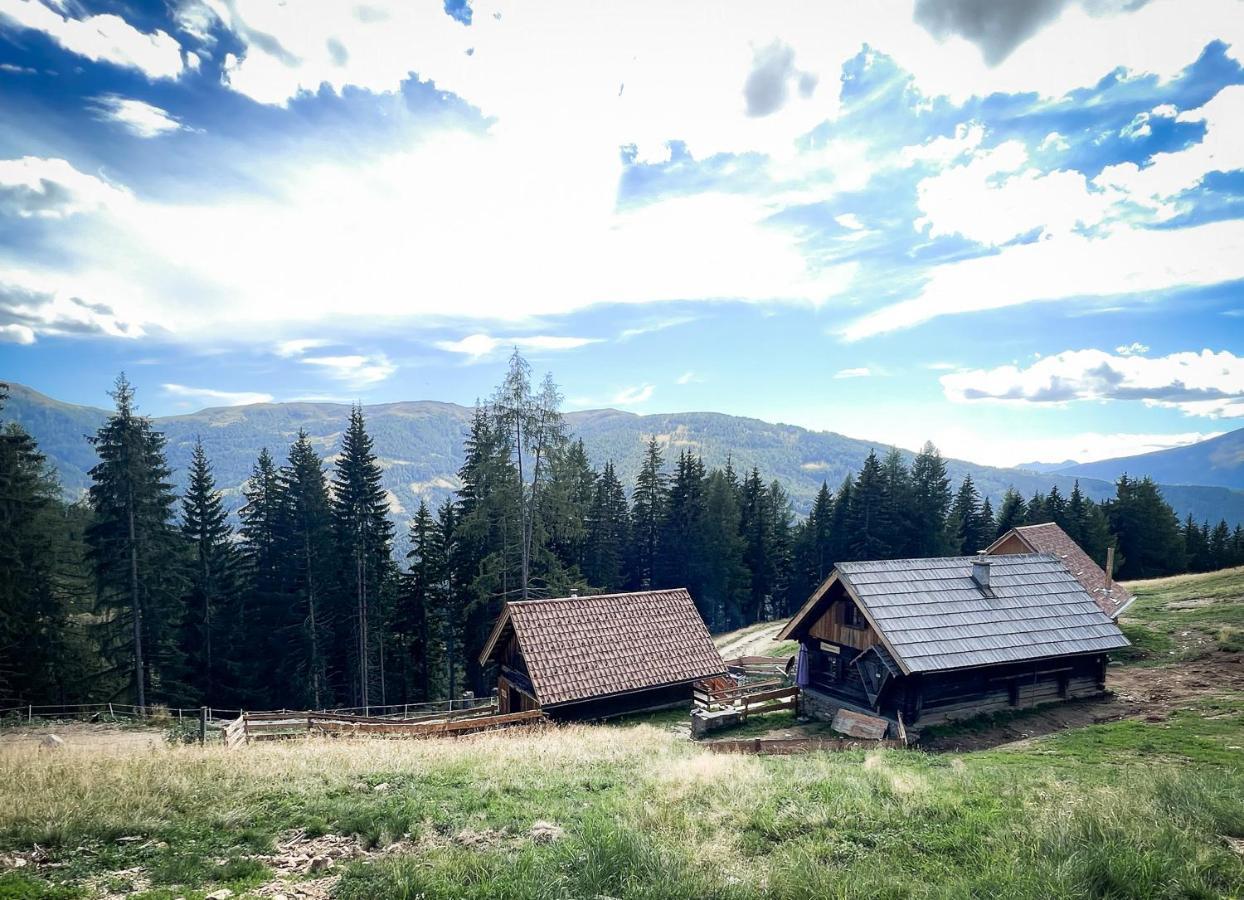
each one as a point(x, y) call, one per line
point(1128, 809)
point(1184, 617)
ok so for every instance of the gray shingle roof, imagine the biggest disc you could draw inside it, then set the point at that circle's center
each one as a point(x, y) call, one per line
point(934, 616)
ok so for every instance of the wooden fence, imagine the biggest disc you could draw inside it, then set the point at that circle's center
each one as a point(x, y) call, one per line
point(749, 699)
point(275, 725)
point(783, 746)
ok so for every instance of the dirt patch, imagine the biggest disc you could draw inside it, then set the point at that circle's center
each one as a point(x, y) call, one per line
point(752, 643)
point(84, 736)
point(1149, 692)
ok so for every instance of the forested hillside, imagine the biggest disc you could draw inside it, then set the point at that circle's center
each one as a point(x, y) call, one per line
point(419, 445)
point(148, 591)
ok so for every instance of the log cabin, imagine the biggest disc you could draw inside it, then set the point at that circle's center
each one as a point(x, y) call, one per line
point(1112, 597)
point(923, 641)
point(595, 657)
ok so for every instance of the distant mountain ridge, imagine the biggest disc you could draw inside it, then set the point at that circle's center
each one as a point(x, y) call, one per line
point(420, 447)
point(1218, 461)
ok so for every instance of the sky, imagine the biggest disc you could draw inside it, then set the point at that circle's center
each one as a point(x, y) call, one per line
point(1013, 228)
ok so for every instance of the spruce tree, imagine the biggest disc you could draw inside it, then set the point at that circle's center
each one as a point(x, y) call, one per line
point(1150, 541)
point(722, 582)
point(930, 503)
point(565, 506)
point(679, 558)
point(1010, 513)
point(868, 529)
point(364, 538)
point(419, 599)
point(263, 610)
point(839, 535)
point(963, 525)
point(38, 545)
point(813, 546)
point(608, 533)
point(208, 635)
point(134, 550)
point(647, 513)
point(306, 546)
point(896, 504)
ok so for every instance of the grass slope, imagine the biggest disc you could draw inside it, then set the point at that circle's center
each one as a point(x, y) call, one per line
point(1128, 809)
point(1185, 616)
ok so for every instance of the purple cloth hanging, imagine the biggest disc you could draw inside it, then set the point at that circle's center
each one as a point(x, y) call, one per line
point(801, 667)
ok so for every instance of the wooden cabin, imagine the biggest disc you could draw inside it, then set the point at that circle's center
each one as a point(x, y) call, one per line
point(1049, 538)
point(929, 640)
point(594, 657)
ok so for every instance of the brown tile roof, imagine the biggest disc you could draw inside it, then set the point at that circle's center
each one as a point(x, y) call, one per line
point(576, 648)
point(1051, 539)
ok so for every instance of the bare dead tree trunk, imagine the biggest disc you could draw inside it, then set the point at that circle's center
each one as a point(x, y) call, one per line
point(316, 686)
point(140, 687)
point(360, 583)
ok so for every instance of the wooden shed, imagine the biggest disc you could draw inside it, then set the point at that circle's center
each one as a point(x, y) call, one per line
point(1049, 538)
point(929, 640)
point(598, 656)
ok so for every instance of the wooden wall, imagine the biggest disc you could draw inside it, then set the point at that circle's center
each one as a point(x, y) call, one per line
point(832, 627)
point(1010, 546)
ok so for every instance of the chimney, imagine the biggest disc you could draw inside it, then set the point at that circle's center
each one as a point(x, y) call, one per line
point(980, 571)
point(1110, 566)
point(574, 592)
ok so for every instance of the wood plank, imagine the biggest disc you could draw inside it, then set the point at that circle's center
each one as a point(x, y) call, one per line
point(859, 725)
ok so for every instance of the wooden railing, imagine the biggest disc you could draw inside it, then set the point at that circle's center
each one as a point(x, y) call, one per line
point(749, 699)
point(275, 725)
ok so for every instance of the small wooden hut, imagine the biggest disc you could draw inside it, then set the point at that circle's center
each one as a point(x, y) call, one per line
point(1049, 538)
point(594, 657)
point(928, 640)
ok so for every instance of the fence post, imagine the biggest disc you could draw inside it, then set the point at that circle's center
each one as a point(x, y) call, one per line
point(202, 726)
point(30, 713)
point(110, 713)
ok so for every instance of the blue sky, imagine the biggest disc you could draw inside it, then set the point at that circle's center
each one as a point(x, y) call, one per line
point(1014, 229)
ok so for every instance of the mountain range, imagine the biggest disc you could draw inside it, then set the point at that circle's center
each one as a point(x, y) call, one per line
point(419, 444)
point(1216, 461)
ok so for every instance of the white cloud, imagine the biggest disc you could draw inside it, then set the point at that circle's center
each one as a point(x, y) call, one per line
point(849, 220)
point(860, 372)
point(298, 346)
point(943, 150)
point(102, 38)
point(633, 396)
point(139, 118)
point(355, 370)
point(31, 306)
point(1123, 262)
point(1168, 174)
point(1053, 141)
point(655, 325)
point(689, 377)
point(32, 187)
point(1204, 384)
point(13, 333)
point(995, 198)
point(219, 398)
point(479, 346)
point(1133, 349)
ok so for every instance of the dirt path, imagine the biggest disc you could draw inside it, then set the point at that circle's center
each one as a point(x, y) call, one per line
point(1149, 692)
point(752, 643)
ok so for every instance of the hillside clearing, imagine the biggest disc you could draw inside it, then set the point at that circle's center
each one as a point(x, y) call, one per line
point(1151, 805)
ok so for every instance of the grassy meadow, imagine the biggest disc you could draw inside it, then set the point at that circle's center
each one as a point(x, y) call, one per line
point(1133, 808)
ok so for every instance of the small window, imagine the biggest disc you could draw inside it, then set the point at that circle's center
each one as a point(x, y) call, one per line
point(852, 617)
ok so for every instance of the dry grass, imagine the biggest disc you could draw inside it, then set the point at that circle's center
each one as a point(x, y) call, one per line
point(635, 811)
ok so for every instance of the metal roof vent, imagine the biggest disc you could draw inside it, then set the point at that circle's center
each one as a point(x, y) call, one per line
point(980, 572)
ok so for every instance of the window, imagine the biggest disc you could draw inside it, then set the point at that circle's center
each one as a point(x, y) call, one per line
point(852, 617)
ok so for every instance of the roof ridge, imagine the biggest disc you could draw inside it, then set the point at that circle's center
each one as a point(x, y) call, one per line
point(597, 596)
